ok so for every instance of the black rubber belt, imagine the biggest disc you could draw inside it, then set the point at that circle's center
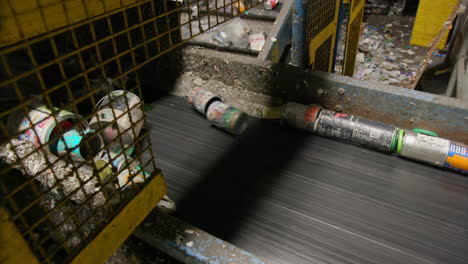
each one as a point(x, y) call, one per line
point(292, 197)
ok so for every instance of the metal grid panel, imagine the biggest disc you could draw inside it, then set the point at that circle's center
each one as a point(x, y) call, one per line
point(322, 56)
point(320, 13)
point(26, 19)
point(51, 85)
point(352, 42)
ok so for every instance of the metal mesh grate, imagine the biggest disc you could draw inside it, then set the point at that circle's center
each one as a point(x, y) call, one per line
point(320, 13)
point(322, 56)
point(352, 43)
point(74, 144)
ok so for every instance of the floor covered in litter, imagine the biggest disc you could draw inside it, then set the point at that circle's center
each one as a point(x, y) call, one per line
point(385, 54)
point(291, 197)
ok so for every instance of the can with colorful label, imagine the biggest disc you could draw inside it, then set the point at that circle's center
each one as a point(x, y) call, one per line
point(79, 145)
point(40, 124)
point(227, 118)
point(300, 116)
point(433, 150)
point(119, 113)
point(361, 131)
point(127, 170)
point(457, 157)
point(201, 99)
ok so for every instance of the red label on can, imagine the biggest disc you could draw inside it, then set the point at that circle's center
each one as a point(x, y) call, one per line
point(340, 115)
point(311, 114)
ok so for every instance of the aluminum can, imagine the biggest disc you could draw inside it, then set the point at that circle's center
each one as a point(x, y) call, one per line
point(39, 125)
point(434, 150)
point(300, 116)
point(425, 148)
point(227, 118)
point(126, 109)
point(201, 99)
point(361, 131)
point(79, 145)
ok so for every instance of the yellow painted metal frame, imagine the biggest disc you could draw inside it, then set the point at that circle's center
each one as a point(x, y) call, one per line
point(14, 249)
point(430, 20)
point(317, 41)
point(349, 58)
point(24, 19)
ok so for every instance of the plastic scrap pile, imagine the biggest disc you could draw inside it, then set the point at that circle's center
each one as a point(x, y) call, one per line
point(384, 7)
point(379, 59)
point(236, 33)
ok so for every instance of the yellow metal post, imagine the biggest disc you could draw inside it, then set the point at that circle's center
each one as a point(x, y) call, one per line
point(13, 247)
point(117, 231)
point(353, 35)
point(430, 19)
point(321, 33)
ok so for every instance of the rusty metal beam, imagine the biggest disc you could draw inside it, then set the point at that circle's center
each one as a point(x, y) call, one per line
point(189, 244)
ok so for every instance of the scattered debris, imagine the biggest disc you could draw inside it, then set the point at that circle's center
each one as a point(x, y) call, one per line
point(384, 52)
point(167, 205)
point(198, 81)
point(23, 155)
point(257, 41)
point(222, 39)
point(270, 4)
point(239, 6)
point(189, 231)
point(384, 7)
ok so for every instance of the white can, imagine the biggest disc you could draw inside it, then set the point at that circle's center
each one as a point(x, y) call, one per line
point(425, 148)
point(126, 109)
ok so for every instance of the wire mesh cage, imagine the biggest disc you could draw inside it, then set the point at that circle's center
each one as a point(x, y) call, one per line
point(321, 31)
point(75, 148)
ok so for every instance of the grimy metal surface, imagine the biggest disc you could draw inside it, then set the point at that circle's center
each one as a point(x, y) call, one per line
point(189, 244)
point(280, 35)
point(288, 196)
point(384, 103)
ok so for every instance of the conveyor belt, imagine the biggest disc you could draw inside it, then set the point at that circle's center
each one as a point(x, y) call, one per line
point(292, 197)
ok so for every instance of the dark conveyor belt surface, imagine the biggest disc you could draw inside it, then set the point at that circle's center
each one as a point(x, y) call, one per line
point(291, 197)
